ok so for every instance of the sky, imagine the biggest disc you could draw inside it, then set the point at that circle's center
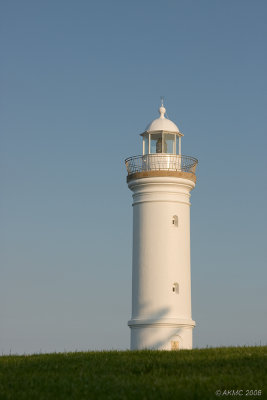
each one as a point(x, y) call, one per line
point(80, 80)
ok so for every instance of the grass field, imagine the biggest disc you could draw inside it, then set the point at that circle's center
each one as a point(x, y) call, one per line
point(185, 374)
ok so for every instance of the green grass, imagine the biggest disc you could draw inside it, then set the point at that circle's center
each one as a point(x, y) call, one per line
point(185, 374)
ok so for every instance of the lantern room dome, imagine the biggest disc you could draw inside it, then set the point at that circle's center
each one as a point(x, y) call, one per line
point(162, 123)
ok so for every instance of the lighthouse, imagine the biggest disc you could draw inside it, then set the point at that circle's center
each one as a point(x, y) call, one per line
point(161, 180)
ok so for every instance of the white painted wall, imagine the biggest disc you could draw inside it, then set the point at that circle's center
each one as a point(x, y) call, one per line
point(161, 257)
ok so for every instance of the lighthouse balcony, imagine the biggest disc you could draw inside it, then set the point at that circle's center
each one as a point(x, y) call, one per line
point(161, 162)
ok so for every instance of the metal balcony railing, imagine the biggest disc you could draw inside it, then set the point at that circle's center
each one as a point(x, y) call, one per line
point(161, 162)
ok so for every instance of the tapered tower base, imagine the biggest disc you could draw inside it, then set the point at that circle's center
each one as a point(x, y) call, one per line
point(167, 334)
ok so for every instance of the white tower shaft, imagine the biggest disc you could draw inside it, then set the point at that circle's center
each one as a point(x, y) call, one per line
point(161, 283)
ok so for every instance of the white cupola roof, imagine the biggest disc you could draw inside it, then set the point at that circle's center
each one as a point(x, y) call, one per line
point(162, 123)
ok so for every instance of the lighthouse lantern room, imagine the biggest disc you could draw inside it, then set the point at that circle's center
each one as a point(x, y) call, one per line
point(161, 180)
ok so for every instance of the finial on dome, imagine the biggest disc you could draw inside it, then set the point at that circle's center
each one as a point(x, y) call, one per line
point(162, 109)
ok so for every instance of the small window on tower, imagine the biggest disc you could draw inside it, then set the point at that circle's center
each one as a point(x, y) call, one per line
point(175, 288)
point(175, 220)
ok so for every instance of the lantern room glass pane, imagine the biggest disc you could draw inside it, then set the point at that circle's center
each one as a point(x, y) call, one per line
point(178, 140)
point(146, 144)
point(169, 143)
point(156, 143)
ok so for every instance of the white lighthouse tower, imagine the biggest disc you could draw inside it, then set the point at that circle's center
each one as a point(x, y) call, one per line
point(161, 181)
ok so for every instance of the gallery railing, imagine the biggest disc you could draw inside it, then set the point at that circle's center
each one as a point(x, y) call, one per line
point(161, 162)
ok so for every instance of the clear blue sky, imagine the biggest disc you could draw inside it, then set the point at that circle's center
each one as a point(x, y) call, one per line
point(79, 81)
